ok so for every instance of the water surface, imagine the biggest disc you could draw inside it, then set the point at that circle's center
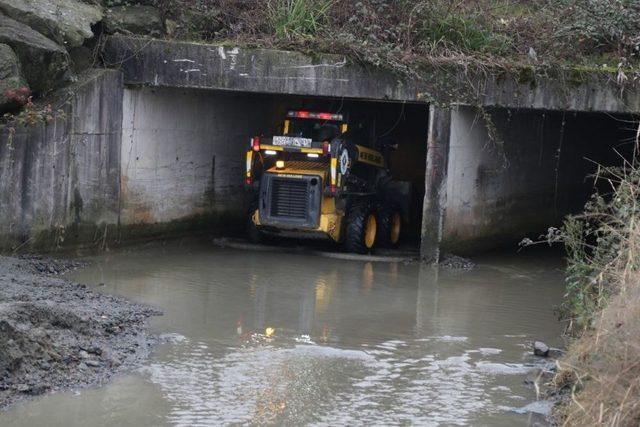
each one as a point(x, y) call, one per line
point(273, 338)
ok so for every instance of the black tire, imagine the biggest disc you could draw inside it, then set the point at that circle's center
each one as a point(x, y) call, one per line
point(389, 225)
point(253, 233)
point(355, 239)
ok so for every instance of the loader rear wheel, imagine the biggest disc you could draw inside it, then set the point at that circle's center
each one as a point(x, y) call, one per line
point(361, 231)
point(390, 225)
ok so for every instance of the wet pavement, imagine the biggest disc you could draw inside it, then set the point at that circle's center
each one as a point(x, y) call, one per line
point(276, 338)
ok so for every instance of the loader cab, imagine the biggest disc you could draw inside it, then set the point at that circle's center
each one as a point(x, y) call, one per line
point(319, 127)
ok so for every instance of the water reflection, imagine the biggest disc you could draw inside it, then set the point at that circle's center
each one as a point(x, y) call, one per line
point(273, 338)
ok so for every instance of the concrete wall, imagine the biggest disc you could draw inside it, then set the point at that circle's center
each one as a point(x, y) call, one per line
point(493, 196)
point(121, 163)
point(206, 66)
point(183, 153)
point(59, 179)
point(532, 173)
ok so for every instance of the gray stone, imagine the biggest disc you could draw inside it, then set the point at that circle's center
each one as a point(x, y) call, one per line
point(44, 62)
point(23, 388)
point(540, 349)
point(66, 21)
point(92, 363)
point(11, 80)
point(135, 19)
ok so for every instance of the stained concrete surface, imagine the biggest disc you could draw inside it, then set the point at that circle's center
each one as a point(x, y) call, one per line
point(183, 153)
point(525, 173)
point(65, 172)
point(205, 66)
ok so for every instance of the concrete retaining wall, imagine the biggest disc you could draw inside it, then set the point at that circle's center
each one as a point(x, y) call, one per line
point(497, 189)
point(183, 153)
point(122, 163)
point(533, 171)
point(206, 66)
point(59, 180)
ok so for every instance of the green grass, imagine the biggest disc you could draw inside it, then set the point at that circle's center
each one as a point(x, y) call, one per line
point(464, 33)
point(293, 19)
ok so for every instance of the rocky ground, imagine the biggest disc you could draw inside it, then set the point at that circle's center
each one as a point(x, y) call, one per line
point(56, 334)
point(454, 262)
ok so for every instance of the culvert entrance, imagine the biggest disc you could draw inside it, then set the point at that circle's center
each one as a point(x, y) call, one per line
point(183, 151)
point(514, 173)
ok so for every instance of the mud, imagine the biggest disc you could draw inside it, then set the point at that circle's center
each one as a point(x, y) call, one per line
point(56, 334)
point(454, 262)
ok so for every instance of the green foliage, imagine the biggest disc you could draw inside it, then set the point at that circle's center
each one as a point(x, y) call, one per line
point(463, 33)
point(603, 246)
point(601, 25)
point(291, 19)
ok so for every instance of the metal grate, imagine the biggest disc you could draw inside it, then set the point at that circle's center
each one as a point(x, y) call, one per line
point(289, 198)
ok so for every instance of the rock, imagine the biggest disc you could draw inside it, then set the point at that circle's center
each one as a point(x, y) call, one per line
point(555, 353)
point(37, 389)
point(136, 19)
point(81, 60)
point(92, 363)
point(171, 26)
point(23, 388)
point(44, 62)
point(540, 349)
point(13, 87)
point(113, 329)
point(68, 22)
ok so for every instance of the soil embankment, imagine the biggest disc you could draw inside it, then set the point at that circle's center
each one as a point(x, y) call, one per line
point(56, 334)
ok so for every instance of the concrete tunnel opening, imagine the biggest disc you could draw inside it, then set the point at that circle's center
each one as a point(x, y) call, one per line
point(183, 151)
point(512, 173)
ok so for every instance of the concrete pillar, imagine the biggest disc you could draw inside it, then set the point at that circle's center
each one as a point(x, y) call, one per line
point(435, 182)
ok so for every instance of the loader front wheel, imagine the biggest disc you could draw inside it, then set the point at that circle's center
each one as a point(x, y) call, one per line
point(254, 234)
point(361, 229)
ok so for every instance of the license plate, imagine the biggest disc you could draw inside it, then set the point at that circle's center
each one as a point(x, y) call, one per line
point(290, 141)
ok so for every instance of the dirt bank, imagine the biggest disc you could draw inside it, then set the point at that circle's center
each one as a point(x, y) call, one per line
point(56, 334)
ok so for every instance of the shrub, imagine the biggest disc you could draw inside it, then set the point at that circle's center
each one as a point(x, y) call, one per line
point(465, 34)
point(602, 25)
point(603, 246)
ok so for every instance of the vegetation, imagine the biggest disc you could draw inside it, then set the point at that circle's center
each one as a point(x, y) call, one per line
point(601, 371)
point(297, 19)
point(404, 33)
point(602, 247)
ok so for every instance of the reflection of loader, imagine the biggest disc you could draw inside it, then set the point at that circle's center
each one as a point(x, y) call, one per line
point(318, 179)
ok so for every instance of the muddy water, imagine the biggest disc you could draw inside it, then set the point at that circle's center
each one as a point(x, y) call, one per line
point(257, 337)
